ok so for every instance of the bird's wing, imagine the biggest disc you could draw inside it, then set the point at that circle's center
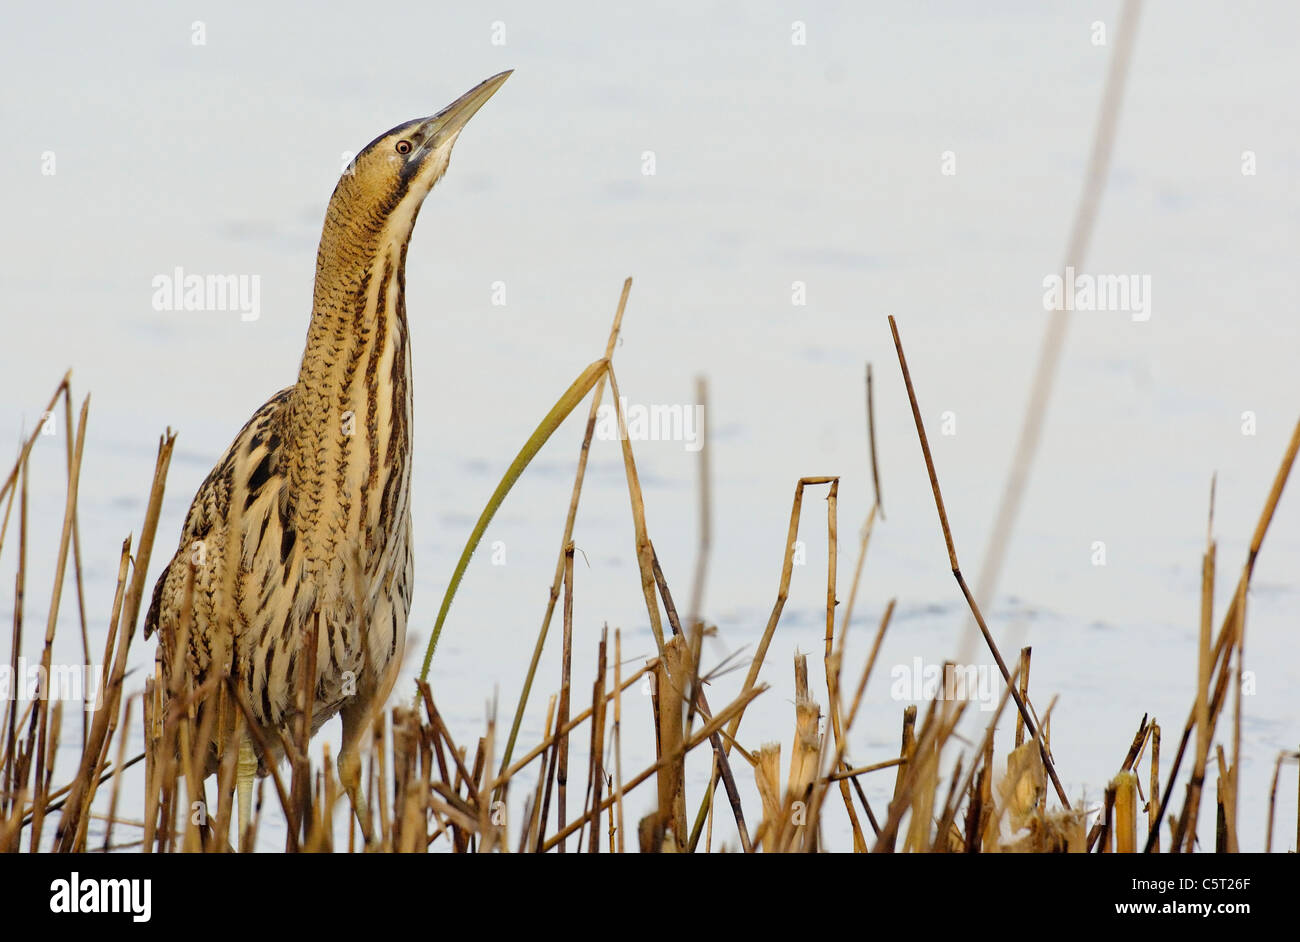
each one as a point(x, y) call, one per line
point(248, 464)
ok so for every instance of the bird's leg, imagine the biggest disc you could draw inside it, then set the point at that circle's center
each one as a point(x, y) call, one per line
point(355, 724)
point(245, 772)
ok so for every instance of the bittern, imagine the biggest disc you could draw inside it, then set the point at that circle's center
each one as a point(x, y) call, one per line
point(304, 525)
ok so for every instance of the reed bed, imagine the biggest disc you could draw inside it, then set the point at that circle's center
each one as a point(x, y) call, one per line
point(427, 792)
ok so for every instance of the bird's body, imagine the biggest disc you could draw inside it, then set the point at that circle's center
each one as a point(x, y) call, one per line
point(305, 523)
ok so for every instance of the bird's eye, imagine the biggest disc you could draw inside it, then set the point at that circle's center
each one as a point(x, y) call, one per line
point(403, 147)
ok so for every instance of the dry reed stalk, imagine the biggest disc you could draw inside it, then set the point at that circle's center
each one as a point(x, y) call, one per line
point(841, 761)
point(760, 655)
point(79, 843)
point(980, 803)
point(408, 807)
point(906, 753)
point(618, 733)
point(73, 458)
point(492, 820)
point(671, 675)
point(438, 735)
point(697, 701)
point(1125, 785)
point(935, 730)
point(1025, 654)
point(596, 761)
point(947, 838)
point(708, 827)
point(863, 770)
point(1222, 802)
point(1153, 803)
point(1021, 702)
point(566, 667)
point(1130, 759)
point(644, 550)
point(227, 774)
point(1108, 817)
point(832, 660)
point(767, 777)
point(1272, 803)
point(533, 827)
point(65, 836)
point(980, 817)
point(15, 776)
point(39, 730)
point(806, 748)
point(1191, 809)
point(117, 777)
point(328, 802)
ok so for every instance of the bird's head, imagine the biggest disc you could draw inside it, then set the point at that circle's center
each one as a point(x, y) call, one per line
point(386, 183)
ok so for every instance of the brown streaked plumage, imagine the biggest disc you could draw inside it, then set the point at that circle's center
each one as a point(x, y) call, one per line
point(307, 515)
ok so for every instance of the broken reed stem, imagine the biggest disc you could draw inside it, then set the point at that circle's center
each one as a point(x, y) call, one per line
point(671, 675)
point(940, 721)
point(1130, 759)
point(1025, 654)
point(760, 655)
point(1125, 785)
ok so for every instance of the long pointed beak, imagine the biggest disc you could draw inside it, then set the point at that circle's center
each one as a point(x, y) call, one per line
point(450, 120)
